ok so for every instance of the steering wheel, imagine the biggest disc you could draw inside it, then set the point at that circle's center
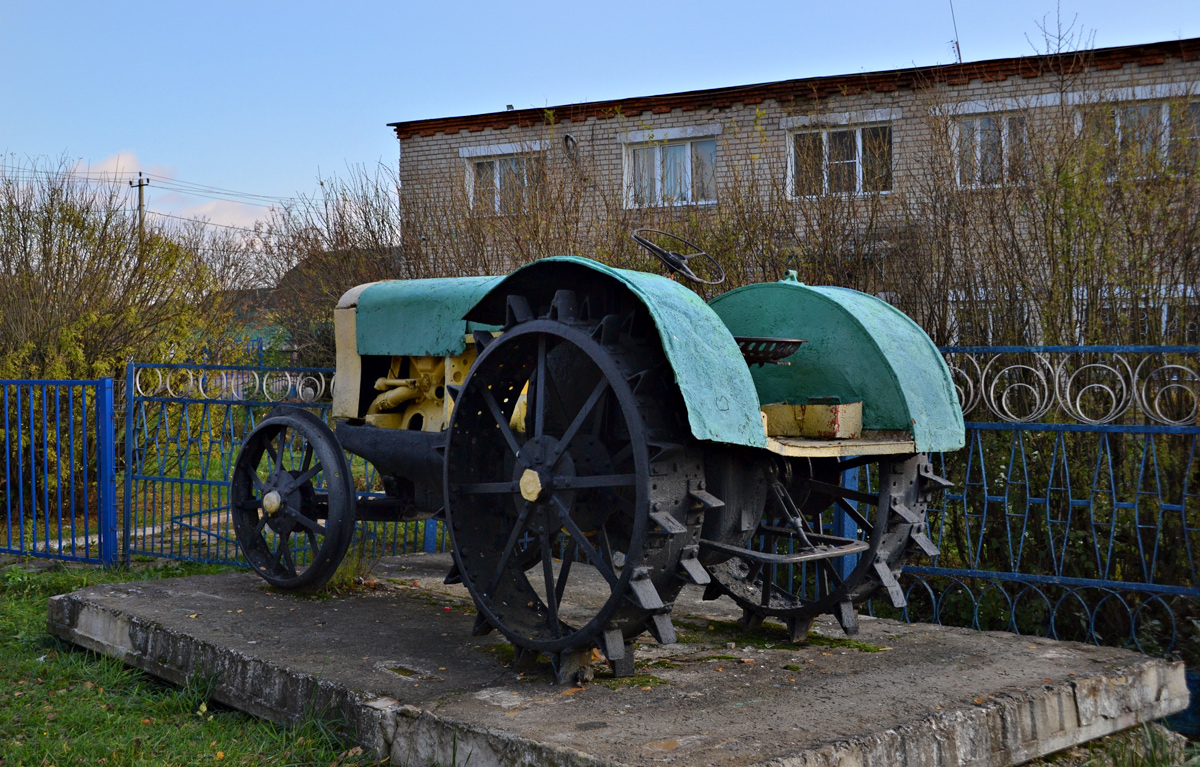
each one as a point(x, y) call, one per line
point(677, 262)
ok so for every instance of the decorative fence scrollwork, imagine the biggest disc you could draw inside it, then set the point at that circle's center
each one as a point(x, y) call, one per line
point(1076, 510)
point(184, 425)
point(1083, 384)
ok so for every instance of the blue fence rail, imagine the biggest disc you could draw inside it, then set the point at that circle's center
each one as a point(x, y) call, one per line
point(183, 427)
point(57, 488)
point(1076, 511)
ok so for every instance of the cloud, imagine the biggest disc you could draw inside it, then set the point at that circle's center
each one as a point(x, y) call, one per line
point(224, 212)
point(125, 165)
point(122, 166)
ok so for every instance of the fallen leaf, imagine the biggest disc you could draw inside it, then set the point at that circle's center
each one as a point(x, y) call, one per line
point(979, 700)
point(193, 615)
point(648, 687)
point(747, 660)
point(573, 690)
point(145, 721)
point(220, 755)
point(1048, 680)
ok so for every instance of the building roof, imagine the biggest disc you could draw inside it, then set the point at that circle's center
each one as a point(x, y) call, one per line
point(784, 91)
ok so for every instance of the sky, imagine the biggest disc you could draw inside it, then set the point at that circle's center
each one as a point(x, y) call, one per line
point(233, 106)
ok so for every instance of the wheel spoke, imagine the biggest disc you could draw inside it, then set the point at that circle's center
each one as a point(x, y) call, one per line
point(312, 524)
point(831, 571)
point(280, 545)
point(295, 482)
point(488, 488)
point(594, 480)
point(568, 557)
point(258, 483)
point(509, 437)
point(837, 491)
point(287, 557)
point(622, 454)
point(279, 450)
point(308, 454)
point(852, 512)
point(509, 545)
point(588, 550)
point(262, 523)
point(539, 405)
point(580, 417)
point(312, 542)
point(548, 576)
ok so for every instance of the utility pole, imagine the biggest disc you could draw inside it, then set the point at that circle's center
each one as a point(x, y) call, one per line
point(141, 184)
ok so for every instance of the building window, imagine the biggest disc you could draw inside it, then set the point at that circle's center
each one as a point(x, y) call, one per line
point(676, 173)
point(1133, 135)
point(989, 149)
point(1185, 135)
point(504, 184)
point(850, 160)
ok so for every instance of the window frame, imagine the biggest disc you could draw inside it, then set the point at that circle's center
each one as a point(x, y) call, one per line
point(823, 131)
point(473, 160)
point(1164, 146)
point(1006, 147)
point(659, 146)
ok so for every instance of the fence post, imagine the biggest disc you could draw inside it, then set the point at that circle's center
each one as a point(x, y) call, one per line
point(127, 500)
point(106, 471)
point(431, 531)
point(845, 527)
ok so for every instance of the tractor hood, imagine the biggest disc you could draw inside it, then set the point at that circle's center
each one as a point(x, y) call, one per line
point(419, 318)
point(858, 348)
point(709, 368)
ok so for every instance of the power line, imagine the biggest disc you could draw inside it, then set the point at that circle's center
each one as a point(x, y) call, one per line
point(175, 185)
point(202, 222)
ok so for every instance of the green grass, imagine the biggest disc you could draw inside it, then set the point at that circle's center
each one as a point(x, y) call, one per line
point(768, 636)
point(1146, 746)
point(60, 705)
point(637, 680)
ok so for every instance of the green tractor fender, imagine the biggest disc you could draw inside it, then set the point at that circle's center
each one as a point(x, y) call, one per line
point(858, 349)
point(419, 318)
point(711, 373)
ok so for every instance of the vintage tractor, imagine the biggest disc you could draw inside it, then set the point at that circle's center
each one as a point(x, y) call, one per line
point(595, 438)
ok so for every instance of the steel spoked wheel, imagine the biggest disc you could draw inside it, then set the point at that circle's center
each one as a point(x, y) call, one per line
point(292, 500)
point(550, 506)
point(800, 570)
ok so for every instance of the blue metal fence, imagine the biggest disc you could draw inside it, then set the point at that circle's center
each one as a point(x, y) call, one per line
point(1076, 511)
point(184, 425)
point(57, 488)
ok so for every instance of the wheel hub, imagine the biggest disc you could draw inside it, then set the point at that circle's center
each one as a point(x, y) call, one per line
point(531, 485)
point(272, 502)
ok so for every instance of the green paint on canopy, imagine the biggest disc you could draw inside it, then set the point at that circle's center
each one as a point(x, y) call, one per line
point(858, 348)
point(709, 368)
point(422, 318)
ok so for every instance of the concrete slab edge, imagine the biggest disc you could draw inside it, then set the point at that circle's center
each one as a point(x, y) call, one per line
point(1014, 729)
point(1001, 731)
point(382, 726)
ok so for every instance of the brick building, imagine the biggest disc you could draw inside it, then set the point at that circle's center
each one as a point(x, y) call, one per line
point(848, 133)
